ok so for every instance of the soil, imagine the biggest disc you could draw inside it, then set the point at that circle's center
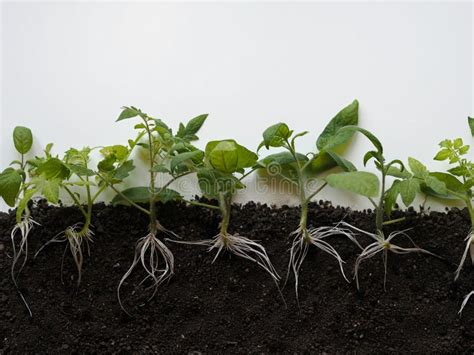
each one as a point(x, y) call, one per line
point(231, 305)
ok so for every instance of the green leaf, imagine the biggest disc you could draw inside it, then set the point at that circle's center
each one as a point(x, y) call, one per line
point(128, 112)
point(80, 170)
point(212, 182)
point(391, 197)
point(275, 136)
point(436, 185)
point(450, 182)
point(139, 194)
point(24, 203)
point(282, 158)
point(123, 171)
point(397, 172)
point(160, 168)
point(107, 164)
point(194, 125)
point(53, 168)
point(183, 157)
point(168, 195)
point(332, 136)
point(408, 189)
point(359, 182)
point(417, 168)
point(443, 154)
point(366, 133)
point(228, 156)
point(118, 151)
point(23, 139)
point(343, 163)
point(470, 121)
point(10, 183)
point(51, 190)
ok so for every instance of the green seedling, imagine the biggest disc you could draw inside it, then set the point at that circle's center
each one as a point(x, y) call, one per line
point(406, 185)
point(17, 190)
point(301, 171)
point(220, 178)
point(171, 155)
point(459, 181)
point(74, 176)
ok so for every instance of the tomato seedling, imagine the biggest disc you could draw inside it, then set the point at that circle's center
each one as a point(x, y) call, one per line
point(171, 155)
point(301, 170)
point(220, 178)
point(367, 184)
point(17, 190)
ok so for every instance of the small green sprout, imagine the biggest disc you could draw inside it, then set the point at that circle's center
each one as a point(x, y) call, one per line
point(407, 185)
point(459, 181)
point(17, 191)
point(220, 178)
point(301, 170)
point(170, 155)
point(73, 174)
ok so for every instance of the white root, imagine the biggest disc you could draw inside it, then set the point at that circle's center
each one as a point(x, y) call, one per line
point(151, 248)
point(240, 246)
point(21, 229)
point(469, 248)
point(75, 237)
point(315, 236)
point(383, 245)
point(464, 302)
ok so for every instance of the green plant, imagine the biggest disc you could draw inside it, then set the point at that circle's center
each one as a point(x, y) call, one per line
point(220, 178)
point(301, 170)
point(459, 181)
point(74, 175)
point(406, 185)
point(17, 191)
point(170, 155)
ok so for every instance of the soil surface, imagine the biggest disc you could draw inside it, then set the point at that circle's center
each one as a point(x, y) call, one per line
point(232, 305)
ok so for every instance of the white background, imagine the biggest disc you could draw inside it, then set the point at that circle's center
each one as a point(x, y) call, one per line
point(67, 68)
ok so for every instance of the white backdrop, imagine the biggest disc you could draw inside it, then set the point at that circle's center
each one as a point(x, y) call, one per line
point(67, 68)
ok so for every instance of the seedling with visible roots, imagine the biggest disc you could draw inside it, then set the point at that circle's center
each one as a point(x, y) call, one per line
point(169, 154)
point(17, 189)
point(301, 170)
point(367, 184)
point(218, 180)
point(459, 182)
point(73, 174)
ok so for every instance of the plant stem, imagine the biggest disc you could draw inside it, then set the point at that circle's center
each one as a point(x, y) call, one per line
point(152, 207)
point(401, 219)
point(380, 209)
point(195, 203)
point(308, 200)
point(225, 206)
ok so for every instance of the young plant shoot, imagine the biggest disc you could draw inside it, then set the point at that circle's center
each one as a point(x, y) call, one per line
point(367, 184)
point(459, 181)
point(16, 189)
point(301, 170)
point(220, 178)
point(73, 174)
point(170, 155)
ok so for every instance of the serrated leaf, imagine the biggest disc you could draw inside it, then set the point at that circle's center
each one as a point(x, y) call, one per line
point(396, 172)
point(53, 168)
point(160, 168)
point(23, 139)
point(10, 183)
point(450, 181)
point(436, 185)
point(283, 158)
point(360, 182)
point(212, 182)
point(193, 127)
point(331, 136)
point(80, 170)
point(417, 168)
point(443, 154)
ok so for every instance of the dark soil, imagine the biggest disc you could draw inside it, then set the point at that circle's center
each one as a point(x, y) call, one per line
point(232, 306)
